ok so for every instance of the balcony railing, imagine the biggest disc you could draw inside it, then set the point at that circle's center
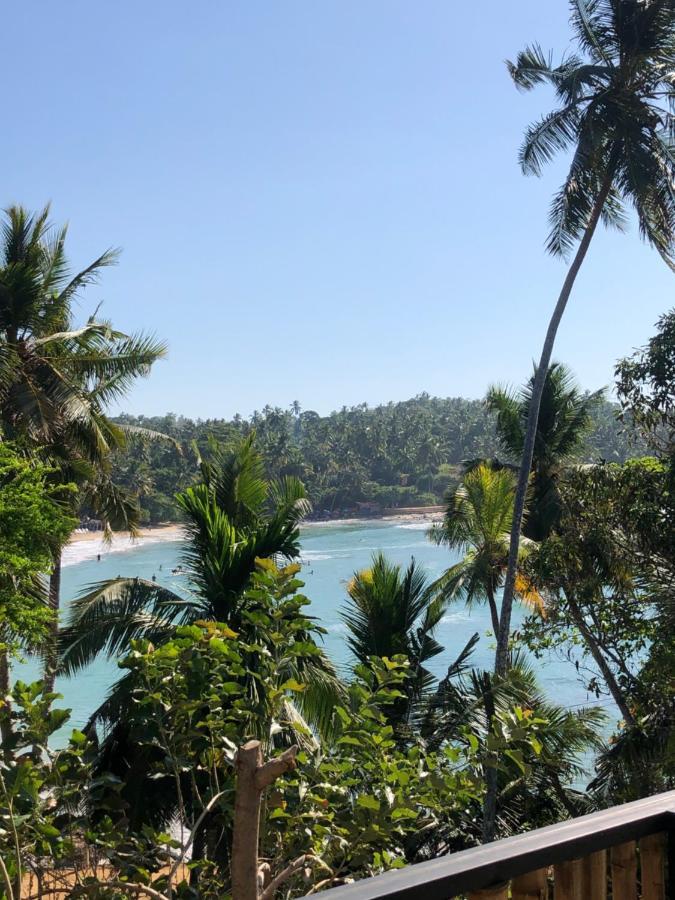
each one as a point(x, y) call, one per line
point(625, 853)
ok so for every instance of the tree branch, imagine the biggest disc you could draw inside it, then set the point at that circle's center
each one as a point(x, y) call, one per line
point(289, 871)
point(207, 809)
point(131, 886)
point(268, 773)
point(6, 878)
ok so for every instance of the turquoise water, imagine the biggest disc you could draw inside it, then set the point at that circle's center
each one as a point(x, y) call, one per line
point(330, 555)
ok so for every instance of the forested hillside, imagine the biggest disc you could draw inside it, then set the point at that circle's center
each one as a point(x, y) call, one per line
point(359, 459)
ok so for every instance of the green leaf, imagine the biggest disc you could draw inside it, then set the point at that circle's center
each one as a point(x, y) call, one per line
point(292, 685)
point(403, 813)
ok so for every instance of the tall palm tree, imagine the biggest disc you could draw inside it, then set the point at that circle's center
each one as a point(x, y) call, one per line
point(395, 612)
point(565, 417)
point(56, 379)
point(476, 522)
point(616, 113)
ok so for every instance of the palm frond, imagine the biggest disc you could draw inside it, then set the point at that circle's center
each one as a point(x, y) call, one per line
point(106, 618)
point(553, 133)
point(510, 426)
point(592, 22)
point(89, 275)
point(533, 67)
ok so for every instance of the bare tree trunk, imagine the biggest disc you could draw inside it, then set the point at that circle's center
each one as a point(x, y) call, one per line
point(600, 661)
point(253, 777)
point(51, 653)
point(246, 823)
point(502, 656)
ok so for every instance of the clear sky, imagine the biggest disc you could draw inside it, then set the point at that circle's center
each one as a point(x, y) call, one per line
point(316, 200)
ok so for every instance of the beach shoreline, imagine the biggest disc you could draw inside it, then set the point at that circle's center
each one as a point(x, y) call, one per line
point(173, 528)
point(406, 518)
point(85, 545)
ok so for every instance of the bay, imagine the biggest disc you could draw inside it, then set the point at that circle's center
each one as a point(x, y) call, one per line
point(331, 553)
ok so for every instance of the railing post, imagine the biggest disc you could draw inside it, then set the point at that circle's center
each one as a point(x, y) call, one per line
point(567, 880)
point(670, 857)
point(533, 886)
point(594, 875)
point(653, 867)
point(624, 871)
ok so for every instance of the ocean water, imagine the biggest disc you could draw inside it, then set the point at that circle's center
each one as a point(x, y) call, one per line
point(331, 553)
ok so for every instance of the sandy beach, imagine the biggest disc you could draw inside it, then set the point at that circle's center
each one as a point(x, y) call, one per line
point(171, 532)
point(88, 544)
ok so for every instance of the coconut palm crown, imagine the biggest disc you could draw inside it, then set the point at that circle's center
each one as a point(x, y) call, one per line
point(476, 523)
point(392, 611)
point(615, 113)
point(565, 418)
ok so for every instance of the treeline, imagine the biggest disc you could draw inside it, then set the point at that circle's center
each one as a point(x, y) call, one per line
point(359, 459)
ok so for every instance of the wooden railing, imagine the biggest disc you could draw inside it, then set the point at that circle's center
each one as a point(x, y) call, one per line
point(626, 853)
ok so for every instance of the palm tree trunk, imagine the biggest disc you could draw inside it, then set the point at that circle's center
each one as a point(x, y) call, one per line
point(600, 661)
point(502, 654)
point(198, 854)
point(502, 657)
point(490, 768)
point(572, 809)
point(6, 729)
point(492, 603)
point(51, 652)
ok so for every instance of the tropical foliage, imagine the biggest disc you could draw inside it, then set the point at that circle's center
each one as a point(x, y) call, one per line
point(644, 383)
point(234, 519)
point(358, 460)
point(34, 523)
point(394, 613)
point(360, 803)
point(476, 522)
point(57, 377)
point(399, 761)
point(565, 418)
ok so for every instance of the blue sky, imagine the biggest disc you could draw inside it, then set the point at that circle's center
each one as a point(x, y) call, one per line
point(316, 200)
